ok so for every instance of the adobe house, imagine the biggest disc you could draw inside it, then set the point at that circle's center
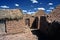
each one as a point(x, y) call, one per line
point(40, 21)
point(11, 21)
point(36, 22)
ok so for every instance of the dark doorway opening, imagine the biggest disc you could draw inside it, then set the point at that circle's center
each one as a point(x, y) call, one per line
point(54, 30)
point(43, 25)
point(41, 33)
point(27, 22)
point(2, 26)
point(35, 23)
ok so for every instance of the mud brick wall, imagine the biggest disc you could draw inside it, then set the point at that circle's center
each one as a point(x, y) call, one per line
point(31, 21)
point(15, 26)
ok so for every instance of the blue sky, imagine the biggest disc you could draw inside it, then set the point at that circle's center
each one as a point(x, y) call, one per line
point(30, 6)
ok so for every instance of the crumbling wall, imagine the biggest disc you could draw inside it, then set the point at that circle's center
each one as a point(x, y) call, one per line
point(31, 21)
point(15, 26)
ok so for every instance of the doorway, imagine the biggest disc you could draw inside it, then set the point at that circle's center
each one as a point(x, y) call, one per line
point(2, 26)
point(27, 22)
point(35, 23)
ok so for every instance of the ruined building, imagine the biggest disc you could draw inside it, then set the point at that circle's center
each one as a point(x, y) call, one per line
point(14, 21)
point(10, 20)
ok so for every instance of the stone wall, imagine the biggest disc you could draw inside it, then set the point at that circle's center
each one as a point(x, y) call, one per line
point(15, 26)
point(30, 18)
point(31, 21)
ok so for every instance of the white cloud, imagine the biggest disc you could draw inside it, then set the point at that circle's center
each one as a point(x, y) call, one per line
point(24, 10)
point(30, 12)
point(41, 8)
point(51, 8)
point(34, 1)
point(50, 3)
point(4, 6)
point(16, 4)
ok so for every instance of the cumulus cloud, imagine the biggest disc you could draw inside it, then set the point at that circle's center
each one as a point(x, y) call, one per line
point(30, 12)
point(16, 4)
point(24, 10)
point(50, 3)
point(41, 8)
point(34, 1)
point(51, 8)
point(4, 6)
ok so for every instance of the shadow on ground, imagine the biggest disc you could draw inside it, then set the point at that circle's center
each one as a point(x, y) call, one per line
point(40, 35)
point(47, 31)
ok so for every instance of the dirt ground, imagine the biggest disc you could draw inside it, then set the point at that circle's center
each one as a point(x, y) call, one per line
point(20, 36)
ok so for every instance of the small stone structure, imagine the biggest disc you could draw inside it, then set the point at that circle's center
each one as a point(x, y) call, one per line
point(14, 21)
point(10, 20)
point(37, 19)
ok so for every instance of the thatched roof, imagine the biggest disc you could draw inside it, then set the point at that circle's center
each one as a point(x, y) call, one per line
point(10, 13)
